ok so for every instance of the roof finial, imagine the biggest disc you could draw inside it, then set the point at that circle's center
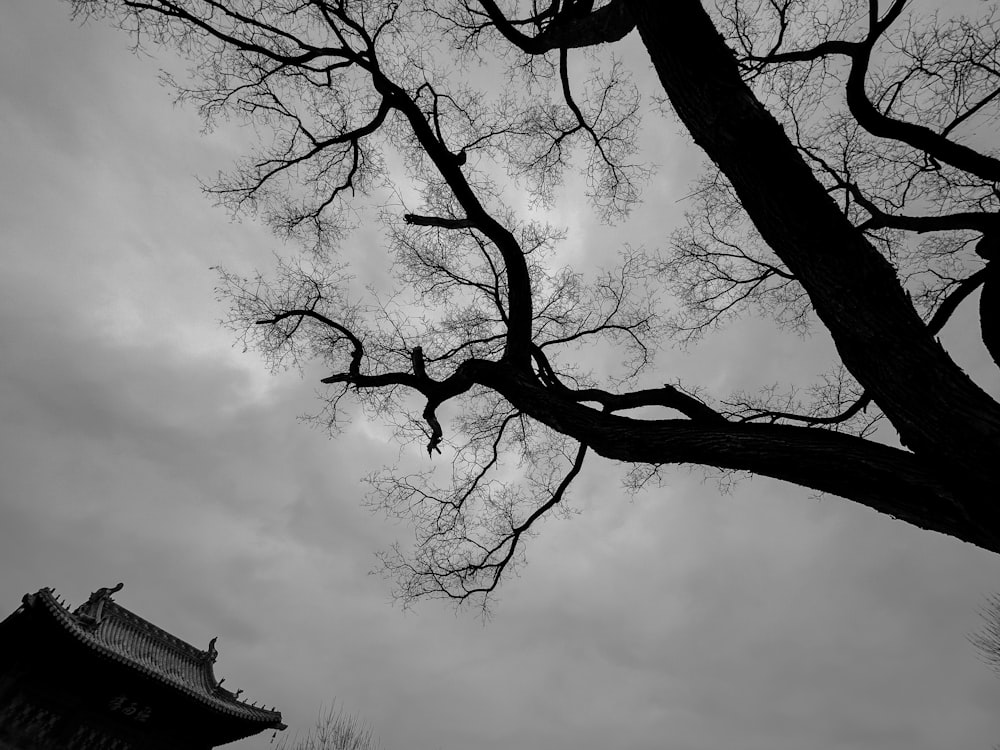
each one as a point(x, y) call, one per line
point(105, 593)
point(95, 604)
point(213, 652)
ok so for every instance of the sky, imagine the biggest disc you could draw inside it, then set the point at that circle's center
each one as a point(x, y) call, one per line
point(137, 444)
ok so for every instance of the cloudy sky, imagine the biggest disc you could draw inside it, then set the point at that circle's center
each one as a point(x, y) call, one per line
point(137, 444)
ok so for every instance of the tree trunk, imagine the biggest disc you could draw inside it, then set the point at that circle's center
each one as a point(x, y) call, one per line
point(940, 414)
point(989, 310)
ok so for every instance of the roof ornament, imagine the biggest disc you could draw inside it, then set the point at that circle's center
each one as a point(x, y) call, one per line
point(104, 593)
point(213, 652)
point(95, 603)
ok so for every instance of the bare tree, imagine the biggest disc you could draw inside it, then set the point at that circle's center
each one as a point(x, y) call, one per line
point(853, 185)
point(335, 730)
point(987, 639)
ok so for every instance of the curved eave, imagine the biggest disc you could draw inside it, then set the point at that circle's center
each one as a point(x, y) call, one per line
point(220, 700)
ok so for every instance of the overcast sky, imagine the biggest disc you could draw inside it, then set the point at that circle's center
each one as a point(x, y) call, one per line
point(137, 444)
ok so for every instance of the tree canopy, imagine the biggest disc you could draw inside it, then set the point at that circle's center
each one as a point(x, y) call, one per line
point(853, 183)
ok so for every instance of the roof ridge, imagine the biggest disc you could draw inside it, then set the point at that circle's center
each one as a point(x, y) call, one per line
point(114, 609)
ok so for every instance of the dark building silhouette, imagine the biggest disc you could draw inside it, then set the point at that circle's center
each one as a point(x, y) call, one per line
point(102, 678)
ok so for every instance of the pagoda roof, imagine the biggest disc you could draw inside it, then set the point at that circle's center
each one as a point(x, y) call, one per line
point(102, 625)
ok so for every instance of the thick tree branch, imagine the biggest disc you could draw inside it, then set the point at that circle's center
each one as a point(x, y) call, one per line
point(607, 24)
point(882, 342)
point(982, 221)
point(886, 479)
point(668, 396)
point(358, 350)
point(823, 49)
point(518, 277)
point(934, 326)
point(936, 145)
point(919, 137)
point(958, 295)
point(437, 221)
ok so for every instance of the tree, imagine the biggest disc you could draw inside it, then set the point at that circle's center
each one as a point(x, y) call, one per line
point(849, 185)
point(335, 730)
point(987, 639)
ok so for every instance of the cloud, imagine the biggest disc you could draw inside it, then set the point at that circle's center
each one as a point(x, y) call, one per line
point(137, 445)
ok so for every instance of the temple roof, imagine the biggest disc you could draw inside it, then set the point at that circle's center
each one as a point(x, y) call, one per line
point(118, 634)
